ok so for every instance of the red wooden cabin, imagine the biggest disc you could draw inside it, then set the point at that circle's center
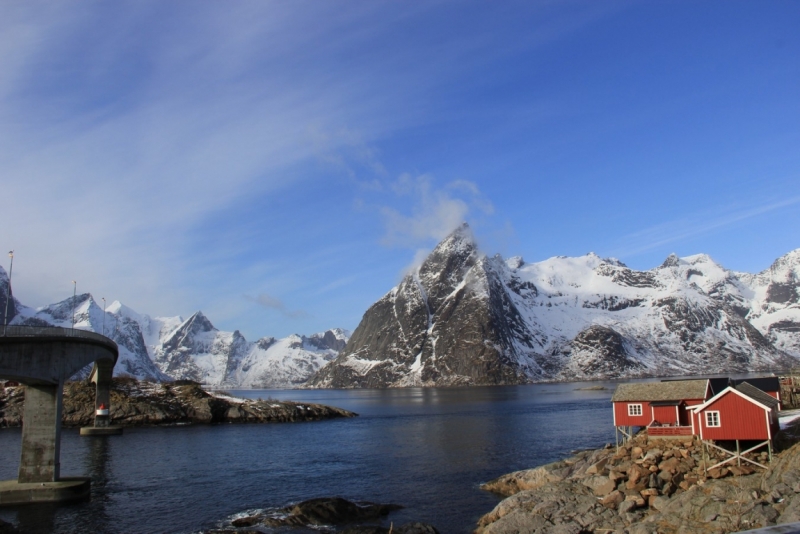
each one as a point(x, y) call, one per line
point(741, 413)
point(662, 407)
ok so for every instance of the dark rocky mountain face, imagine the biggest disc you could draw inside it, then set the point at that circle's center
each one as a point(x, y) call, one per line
point(464, 318)
point(440, 326)
point(7, 300)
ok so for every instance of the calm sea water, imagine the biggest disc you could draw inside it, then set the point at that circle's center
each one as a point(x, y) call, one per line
point(426, 449)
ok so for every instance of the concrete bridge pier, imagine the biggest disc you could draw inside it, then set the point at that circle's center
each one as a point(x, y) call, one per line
point(101, 376)
point(39, 478)
point(40, 460)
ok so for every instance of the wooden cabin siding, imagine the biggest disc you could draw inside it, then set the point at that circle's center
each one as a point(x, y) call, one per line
point(666, 415)
point(621, 417)
point(739, 419)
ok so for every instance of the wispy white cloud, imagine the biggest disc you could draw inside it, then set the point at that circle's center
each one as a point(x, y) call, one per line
point(433, 211)
point(693, 226)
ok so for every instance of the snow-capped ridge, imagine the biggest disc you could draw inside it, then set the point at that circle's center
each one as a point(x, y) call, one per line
point(168, 348)
point(465, 318)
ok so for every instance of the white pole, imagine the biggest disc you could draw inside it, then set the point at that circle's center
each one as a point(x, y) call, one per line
point(104, 315)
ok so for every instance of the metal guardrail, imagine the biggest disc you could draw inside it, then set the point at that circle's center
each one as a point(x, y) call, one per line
point(54, 331)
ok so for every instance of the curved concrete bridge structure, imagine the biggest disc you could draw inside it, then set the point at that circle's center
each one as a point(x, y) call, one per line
point(43, 358)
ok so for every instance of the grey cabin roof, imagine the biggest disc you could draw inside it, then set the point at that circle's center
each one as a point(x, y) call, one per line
point(757, 395)
point(673, 390)
point(765, 383)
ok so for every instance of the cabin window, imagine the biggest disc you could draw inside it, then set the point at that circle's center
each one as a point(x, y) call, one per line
point(634, 409)
point(712, 419)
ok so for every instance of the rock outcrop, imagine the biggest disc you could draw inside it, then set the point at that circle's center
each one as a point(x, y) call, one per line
point(327, 514)
point(658, 486)
point(145, 403)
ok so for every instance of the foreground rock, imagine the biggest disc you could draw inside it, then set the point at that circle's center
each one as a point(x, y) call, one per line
point(146, 403)
point(326, 515)
point(660, 486)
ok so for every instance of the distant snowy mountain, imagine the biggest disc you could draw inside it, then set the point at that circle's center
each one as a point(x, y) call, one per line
point(167, 348)
point(465, 318)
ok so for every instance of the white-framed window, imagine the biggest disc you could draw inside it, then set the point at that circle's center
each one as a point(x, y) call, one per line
point(634, 409)
point(712, 419)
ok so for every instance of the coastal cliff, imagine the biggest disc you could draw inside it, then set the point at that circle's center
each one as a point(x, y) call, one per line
point(135, 403)
point(660, 486)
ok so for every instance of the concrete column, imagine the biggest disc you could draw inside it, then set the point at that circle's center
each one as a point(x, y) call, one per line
point(102, 379)
point(41, 434)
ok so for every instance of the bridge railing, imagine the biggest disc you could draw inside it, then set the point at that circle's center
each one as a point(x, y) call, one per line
point(52, 331)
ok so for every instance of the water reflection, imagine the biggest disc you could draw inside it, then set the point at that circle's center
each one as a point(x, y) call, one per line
point(427, 449)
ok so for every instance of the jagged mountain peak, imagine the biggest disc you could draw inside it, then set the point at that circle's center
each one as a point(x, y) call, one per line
point(460, 241)
point(699, 259)
point(672, 261)
point(789, 262)
point(515, 262)
point(199, 323)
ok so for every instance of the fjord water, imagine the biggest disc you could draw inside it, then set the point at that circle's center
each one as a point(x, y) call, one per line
point(426, 449)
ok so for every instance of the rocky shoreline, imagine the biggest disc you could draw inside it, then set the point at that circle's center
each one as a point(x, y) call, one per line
point(135, 403)
point(645, 487)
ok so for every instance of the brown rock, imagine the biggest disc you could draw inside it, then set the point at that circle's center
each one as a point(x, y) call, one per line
point(670, 465)
point(636, 472)
point(616, 475)
point(597, 468)
point(612, 499)
point(718, 472)
point(605, 489)
point(636, 453)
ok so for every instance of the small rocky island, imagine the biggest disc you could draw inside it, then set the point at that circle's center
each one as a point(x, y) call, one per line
point(644, 487)
point(136, 403)
point(328, 515)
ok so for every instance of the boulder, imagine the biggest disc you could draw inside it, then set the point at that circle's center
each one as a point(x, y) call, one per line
point(597, 468)
point(527, 479)
point(338, 511)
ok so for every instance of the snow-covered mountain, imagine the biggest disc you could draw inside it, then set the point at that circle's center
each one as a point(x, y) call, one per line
point(465, 318)
point(167, 348)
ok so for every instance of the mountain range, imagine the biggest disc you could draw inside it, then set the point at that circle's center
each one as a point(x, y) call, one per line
point(171, 348)
point(464, 318)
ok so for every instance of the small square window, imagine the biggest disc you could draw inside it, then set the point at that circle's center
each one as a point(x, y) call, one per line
point(712, 419)
point(634, 409)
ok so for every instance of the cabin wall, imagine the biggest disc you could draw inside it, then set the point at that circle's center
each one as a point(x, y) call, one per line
point(739, 419)
point(685, 414)
point(666, 415)
point(621, 417)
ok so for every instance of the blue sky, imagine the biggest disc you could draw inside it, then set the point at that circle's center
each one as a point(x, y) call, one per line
point(279, 165)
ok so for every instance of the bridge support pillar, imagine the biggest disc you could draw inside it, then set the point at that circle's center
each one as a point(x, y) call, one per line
point(39, 466)
point(101, 376)
point(41, 434)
